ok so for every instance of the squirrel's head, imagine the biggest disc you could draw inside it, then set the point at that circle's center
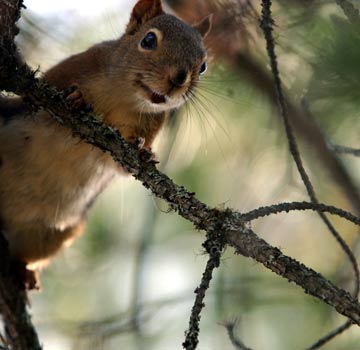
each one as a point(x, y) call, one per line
point(165, 56)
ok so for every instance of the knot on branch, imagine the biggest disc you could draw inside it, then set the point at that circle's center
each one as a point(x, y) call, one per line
point(214, 245)
point(215, 235)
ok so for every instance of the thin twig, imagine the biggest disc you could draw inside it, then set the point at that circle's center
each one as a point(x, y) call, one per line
point(214, 246)
point(346, 150)
point(331, 335)
point(192, 334)
point(235, 341)
point(286, 207)
point(266, 25)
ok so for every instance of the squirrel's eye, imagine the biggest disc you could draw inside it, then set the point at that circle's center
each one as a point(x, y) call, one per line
point(149, 42)
point(203, 68)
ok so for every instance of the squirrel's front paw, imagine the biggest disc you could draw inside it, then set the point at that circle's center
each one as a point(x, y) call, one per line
point(138, 142)
point(75, 99)
point(146, 155)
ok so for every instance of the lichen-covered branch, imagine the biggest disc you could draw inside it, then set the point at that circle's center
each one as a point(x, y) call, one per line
point(250, 245)
point(214, 246)
point(20, 333)
point(9, 14)
point(298, 206)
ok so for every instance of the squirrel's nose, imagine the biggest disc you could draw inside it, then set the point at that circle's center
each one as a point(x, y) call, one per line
point(179, 79)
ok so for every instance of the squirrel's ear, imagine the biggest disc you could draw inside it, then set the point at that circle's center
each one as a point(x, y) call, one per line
point(204, 26)
point(143, 11)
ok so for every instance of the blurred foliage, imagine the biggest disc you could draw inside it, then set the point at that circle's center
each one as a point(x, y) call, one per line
point(135, 268)
point(337, 71)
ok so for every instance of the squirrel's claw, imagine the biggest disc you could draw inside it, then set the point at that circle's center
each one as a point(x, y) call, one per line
point(146, 155)
point(75, 99)
point(139, 143)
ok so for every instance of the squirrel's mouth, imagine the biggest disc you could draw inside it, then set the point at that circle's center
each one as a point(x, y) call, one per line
point(153, 96)
point(156, 98)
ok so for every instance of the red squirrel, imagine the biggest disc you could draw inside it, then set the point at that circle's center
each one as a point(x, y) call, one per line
point(48, 178)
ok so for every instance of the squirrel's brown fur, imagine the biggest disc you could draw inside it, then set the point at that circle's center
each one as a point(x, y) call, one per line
point(48, 178)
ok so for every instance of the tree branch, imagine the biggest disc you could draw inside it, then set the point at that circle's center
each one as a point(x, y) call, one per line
point(286, 207)
point(346, 150)
point(214, 246)
point(249, 244)
point(20, 333)
point(331, 335)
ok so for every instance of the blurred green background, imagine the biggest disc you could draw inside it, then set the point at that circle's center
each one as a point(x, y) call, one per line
point(128, 282)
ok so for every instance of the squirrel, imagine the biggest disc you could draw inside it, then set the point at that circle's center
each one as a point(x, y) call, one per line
point(48, 177)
